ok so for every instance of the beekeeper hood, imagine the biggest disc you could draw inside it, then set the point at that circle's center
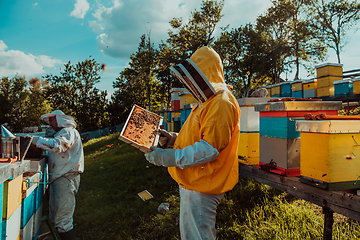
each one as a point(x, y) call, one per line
point(201, 74)
point(61, 119)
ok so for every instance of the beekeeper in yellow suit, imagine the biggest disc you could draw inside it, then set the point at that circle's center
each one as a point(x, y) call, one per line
point(204, 159)
point(65, 163)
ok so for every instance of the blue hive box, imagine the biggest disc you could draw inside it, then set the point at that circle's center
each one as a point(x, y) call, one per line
point(343, 87)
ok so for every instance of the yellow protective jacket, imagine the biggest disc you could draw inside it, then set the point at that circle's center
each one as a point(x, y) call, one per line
point(216, 121)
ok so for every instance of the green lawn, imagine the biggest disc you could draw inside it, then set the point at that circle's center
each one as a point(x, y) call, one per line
point(108, 206)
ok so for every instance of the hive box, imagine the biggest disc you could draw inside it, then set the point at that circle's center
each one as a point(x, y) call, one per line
point(185, 98)
point(28, 206)
point(175, 93)
point(297, 89)
point(285, 88)
point(330, 154)
point(279, 140)
point(141, 129)
point(326, 75)
point(11, 226)
point(310, 88)
point(325, 91)
point(275, 90)
point(343, 87)
point(329, 69)
point(356, 85)
point(248, 148)
point(12, 196)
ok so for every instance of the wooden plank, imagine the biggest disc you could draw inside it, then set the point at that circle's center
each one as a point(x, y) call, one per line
point(341, 202)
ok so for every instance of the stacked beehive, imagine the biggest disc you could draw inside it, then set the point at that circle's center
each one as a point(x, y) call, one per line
point(33, 190)
point(187, 101)
point(279, 140)
point(330, 153)
point(248, 148)
point(326, 75)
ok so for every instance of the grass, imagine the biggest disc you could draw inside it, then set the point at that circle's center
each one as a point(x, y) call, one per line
point(108, 206)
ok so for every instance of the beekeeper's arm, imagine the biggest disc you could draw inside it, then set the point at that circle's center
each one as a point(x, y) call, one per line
point(61, 143)
point(216, 131)
point(193, 155)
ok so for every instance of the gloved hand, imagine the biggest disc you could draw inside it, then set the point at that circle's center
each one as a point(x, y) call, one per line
point(161, 157)
point(34, 139)
point(166, 138)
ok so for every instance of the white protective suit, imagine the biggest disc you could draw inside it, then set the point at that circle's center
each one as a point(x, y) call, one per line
point(65, 163)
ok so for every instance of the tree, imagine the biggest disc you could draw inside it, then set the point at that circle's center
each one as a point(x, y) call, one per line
point(74, 93)
point(23, 103)
point(186, 38)
point(36, 103)
point(334, 18)
point(242, 51)
point(290, 38)
point(137, 84)
point(6, 100)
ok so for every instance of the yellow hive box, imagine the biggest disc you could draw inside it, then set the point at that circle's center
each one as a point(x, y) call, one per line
point(329, 153)
point(297, 85)
point(310, 84)
point(268, 92)
point(327, 69)
point(170, 126)
point(186, 98)
point(356, 85)
point(165, 117)
point(325, 91)
point(175, 114)
point(327, 81)
point(12, 196)
point(248, 148)
point(275, 89)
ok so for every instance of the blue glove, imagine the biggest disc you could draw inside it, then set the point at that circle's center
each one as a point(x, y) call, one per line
point(161, 157)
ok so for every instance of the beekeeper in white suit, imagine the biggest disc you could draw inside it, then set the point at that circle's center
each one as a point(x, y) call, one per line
point(203, 159)
point(65, 163)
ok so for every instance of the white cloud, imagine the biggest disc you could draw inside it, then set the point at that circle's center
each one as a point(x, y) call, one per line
point(16, 62)
point(80, 8)
point(96, 26)
point(120, 26)
point(3, 46)
point(124, 22)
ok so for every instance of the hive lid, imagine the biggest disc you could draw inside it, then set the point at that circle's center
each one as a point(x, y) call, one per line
point(298, 106)
point(328, 126)
point(5, 133)
point(310, 81)
point(252, 100)
point(328, 64)
point(343, 81)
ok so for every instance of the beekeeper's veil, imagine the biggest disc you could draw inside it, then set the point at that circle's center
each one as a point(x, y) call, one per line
point(201, 74)
point(61, 119)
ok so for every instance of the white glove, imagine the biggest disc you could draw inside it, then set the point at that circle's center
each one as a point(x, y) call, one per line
point(161, 157)
point(34, 139)
point(167, 139)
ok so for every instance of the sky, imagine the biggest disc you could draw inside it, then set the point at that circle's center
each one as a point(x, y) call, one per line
point(37, 37)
